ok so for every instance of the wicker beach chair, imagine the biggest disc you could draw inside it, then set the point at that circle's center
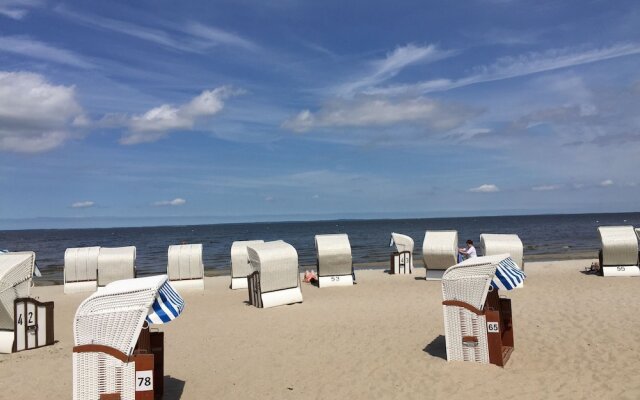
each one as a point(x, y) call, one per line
point(402, 259)
point(492, 244)
point(185, 267)
point(115, 355)
point(81, 269)
point(116, 263)
point(478, 323)
point(240, 265)
point(25, 323)
point(334, 262)
point(275, 280)
point(439, 252)
point(619, 252)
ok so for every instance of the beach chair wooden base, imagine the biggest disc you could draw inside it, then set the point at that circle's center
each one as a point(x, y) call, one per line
point(435, 274)
point(33, 326)
point(188, 285)
point(239, 283)
point(335, 280)
point(401, 263)
point(622, 270)
point(80, 287)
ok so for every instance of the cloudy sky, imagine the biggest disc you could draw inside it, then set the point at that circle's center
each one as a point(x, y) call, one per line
point(250, 108)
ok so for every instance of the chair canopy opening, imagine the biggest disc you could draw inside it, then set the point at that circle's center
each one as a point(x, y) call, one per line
point(402, 242)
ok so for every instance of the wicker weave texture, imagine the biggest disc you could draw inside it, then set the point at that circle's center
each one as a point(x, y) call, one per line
point(81, 264)
point(240, 265)
point(16, 271)
point(98, 373)
point(333, 255)
point(460, 322)
point(440, 249)
point(185, 262)
point(116, 263)
point(493, 244)
point(619, 245)
point(277, 263)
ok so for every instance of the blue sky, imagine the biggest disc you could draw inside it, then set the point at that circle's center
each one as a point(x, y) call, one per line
point(236, 109)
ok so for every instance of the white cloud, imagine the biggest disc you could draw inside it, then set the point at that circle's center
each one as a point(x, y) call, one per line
point(17, 9)
point(546, 188)
point(218, 36)
point(376, 112)
point(268, 199)
point(511, 67)
point(35, 116)
point(486, 188)
point(25, 46)
point(83, 204)
point(175, 202)
point(606, 182)
point(156, 123)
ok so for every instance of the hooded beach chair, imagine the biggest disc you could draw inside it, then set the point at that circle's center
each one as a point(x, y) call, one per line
point(334, 262)
point(401, 259)
point(25, 323)
point(240, 266)
point(276, 279)
point(477, 321)
point(439, 252)
point(115, 356)
point(619, 252)
point(493, 243)
point(185, 267)
point(116, 263)
point(81, 269)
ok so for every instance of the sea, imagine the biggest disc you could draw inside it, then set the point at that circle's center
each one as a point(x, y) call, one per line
point(544, 237)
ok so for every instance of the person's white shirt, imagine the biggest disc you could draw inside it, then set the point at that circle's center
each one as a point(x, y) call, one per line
point(471, 252)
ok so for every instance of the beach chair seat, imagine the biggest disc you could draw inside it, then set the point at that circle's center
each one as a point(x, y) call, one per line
point(81, 269)
point(478, 322)
point(618, 254)
point(276, 279)
point(115, 355)
point(439, 252)
point(240, 266)
point(185, 268)
point(401, 261)
point(116, 263)
point(25, 323)
point(334, 261)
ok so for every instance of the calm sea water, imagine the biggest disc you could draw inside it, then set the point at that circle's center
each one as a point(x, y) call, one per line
point(552, 235)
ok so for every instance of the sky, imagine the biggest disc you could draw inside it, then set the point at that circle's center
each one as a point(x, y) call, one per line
point(304, 109)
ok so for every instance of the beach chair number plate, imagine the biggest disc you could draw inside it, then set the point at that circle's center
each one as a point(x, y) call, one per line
point(144, 381)
point(335, 279)
point(621, 269)
point(493, 327)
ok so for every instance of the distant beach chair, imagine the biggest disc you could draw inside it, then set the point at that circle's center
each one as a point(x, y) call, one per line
point(115, 356)
point(619, 252)
point(25, 323)
point(116, 263)
point(492, 244)
point(638, 233)
point(81, 269)
point(240, 265)
point(276, 279)
point(439, 252)
point(402, 259)
point(334, 262)
point(477, 321)
point(185, 267)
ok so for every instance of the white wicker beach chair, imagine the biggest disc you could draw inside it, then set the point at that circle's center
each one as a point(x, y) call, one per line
point(240, 265)
point(439, 252)
point(276, 279)
point(619, 251)
point(81, 269)
point(334, 262)
point(478, 324)
point(185, 267)
point(492, 244)
point(113, 354)
point(402, 259)
point(116, 263)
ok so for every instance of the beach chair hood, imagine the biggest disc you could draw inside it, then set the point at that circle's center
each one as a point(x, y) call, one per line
point(402, 242)
point(16, 272)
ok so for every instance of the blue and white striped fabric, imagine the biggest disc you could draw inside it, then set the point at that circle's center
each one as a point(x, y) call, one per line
point(167, 306)
point(508, 275)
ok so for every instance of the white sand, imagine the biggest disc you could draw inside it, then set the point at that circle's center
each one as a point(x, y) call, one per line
point(576, 337)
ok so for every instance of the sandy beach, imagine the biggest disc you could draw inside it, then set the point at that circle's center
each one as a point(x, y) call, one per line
point(381, 339)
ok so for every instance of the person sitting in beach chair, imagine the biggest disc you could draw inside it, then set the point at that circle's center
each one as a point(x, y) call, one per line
point(467, 252)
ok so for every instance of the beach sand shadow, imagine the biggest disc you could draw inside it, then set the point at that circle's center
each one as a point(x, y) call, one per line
point(173, 388)
point(437, 348)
